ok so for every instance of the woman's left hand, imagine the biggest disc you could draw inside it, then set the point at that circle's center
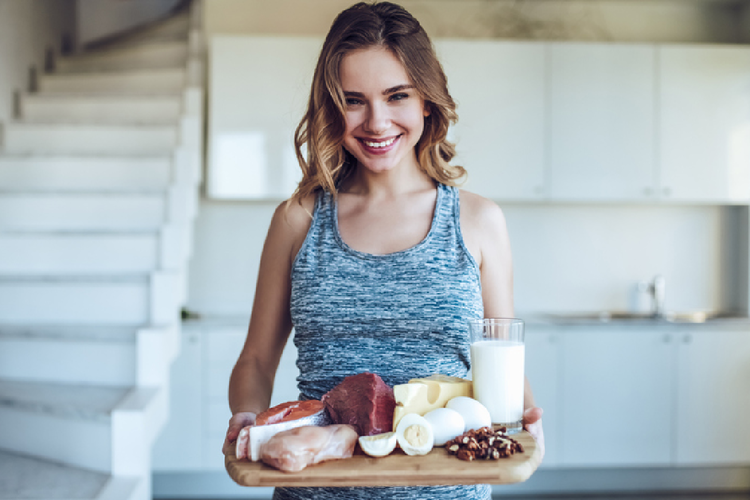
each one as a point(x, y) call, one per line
point(532, 422)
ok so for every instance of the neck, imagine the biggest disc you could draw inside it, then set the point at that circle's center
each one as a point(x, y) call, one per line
point(405, 179)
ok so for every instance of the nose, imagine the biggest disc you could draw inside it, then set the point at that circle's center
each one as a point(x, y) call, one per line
point(378, 120)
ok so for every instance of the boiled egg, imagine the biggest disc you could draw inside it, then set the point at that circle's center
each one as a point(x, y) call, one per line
point(446, 424)
point(475, 414)
point(414, 434)
point(378, 445)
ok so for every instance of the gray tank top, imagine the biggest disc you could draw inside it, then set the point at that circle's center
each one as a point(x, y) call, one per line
point(402, 315)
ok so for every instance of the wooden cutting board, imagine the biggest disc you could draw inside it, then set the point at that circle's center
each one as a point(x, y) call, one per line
point(397, 469)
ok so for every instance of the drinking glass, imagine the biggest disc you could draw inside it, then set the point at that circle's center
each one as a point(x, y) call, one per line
point(497, 368)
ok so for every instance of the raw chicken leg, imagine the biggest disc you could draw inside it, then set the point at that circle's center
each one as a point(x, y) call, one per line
point(295, 449)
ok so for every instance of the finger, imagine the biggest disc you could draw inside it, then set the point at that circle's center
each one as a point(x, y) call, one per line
point(532, 415)
point(243, 440)
point(233, 431)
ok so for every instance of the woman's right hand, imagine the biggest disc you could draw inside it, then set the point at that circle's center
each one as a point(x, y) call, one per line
point(237, 424)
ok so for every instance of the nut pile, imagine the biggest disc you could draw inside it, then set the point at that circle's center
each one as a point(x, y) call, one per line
point(484, 443)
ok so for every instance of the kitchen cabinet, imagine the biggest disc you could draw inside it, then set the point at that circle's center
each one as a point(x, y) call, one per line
point(499, 89)
point(616, 397)
point(541, 370)
point(704, 123)
point(602, 121)
point(713, 398)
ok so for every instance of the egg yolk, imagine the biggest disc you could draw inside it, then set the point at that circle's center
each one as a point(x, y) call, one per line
point(416, 435)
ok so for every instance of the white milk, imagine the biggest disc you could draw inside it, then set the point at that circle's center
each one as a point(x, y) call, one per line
point(497, 372)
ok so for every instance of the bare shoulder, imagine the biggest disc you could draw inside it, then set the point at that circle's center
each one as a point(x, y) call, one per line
point(479, 212)
point(482, 225)
point(296, 215)
point(291, 222)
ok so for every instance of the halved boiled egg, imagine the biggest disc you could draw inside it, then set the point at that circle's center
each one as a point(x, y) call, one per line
point(414, 435)
point(378, 445)
point(446, 424)
point(475, 414)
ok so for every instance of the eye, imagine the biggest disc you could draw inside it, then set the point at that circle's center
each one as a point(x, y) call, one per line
point(353, 101)
point(400, 96)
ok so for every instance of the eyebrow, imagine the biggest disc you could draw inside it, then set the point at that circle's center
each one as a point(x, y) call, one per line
point(387, 91)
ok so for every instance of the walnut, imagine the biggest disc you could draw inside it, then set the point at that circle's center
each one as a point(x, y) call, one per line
point(484, 443)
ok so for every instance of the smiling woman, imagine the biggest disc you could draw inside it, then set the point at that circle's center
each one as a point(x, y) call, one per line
point(378, 260)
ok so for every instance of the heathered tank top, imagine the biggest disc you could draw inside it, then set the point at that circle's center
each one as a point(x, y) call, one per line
point(401, 315)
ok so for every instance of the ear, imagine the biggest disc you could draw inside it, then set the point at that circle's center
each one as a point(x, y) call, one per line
point(427, 110)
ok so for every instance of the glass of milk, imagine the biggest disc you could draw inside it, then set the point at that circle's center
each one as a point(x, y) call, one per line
point(497, 368)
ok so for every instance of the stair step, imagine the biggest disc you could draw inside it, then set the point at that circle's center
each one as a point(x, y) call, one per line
point(101, 109)
point(23, 477)
point(177, 25)
point(67, 139)
point(84, 173)
point(145, 55)
point(74, 401)
point(75, 300)
point(40, 254)
point(82, 212)
point(141, 82)
point(89, 426)
point(74, 354)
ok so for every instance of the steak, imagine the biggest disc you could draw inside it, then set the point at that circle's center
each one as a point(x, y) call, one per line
point(364, 401)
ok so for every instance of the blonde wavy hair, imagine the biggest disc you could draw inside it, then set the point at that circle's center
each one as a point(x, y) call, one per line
point(318, 139)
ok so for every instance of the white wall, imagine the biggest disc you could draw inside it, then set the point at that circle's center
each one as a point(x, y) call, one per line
point(100, 18)
point(27, 28)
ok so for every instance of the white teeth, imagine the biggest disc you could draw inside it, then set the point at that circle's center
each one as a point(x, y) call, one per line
point(379, 144)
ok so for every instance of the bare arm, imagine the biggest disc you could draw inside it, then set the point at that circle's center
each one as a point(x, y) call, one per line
point(486, 236)
point(251, 382)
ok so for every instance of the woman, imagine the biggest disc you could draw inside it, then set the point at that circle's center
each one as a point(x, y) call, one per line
point(377, 260)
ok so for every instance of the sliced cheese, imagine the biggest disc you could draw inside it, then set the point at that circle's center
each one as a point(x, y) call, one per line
point(422, 395)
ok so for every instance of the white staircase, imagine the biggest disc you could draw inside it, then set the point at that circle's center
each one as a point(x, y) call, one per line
point(99, 179)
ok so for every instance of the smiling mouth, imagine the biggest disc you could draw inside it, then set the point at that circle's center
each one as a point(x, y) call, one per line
point(379, 144)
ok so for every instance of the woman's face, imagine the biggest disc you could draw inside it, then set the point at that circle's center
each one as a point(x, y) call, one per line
point(384, 113)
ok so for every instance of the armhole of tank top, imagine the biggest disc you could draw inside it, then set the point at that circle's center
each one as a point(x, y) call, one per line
point(460, 235)
point(313, 221)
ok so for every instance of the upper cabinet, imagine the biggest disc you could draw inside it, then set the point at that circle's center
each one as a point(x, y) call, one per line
point(538, 121)
point(704, 123)
point(499, 89)
point(601, 121)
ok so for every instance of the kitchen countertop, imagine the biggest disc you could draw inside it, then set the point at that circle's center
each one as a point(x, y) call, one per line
point(532, 319)
point(592, 320)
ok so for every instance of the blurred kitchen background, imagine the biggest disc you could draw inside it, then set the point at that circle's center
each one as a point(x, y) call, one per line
point(146, 143)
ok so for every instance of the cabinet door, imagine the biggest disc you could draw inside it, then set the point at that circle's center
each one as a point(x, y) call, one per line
point(542, 371)
point(713, 398)
point(499, 90)
point(602, 121)
point(704, 102)
point(615, 397)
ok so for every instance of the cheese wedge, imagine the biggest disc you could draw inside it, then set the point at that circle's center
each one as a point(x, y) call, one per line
point(422, 395)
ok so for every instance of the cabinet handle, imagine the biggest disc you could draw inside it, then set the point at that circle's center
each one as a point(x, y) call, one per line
point(538, 190)
point(648, 191)
point(667, 191)
point(687, 339)
point(667, 338)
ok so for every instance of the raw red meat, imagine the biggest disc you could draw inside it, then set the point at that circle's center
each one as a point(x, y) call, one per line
point(364, 401)
point(291, 410)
